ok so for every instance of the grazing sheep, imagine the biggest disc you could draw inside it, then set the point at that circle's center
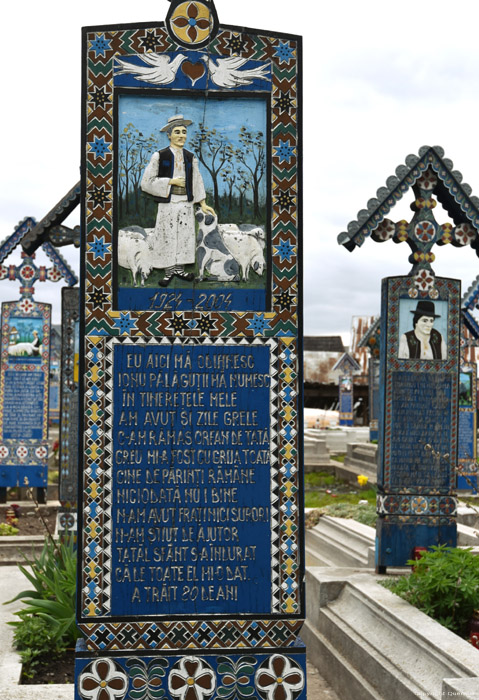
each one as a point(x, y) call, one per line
point(134, 253)
point(246, 244)
point(226, 250)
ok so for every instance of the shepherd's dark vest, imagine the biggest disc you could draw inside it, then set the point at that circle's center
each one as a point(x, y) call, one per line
point(414, 345)
point(166, 166)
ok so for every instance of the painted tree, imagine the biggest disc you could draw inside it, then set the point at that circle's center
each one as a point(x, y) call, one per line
point(212, 150)
point(252, 156)
point(242, 185)
point(127, 162)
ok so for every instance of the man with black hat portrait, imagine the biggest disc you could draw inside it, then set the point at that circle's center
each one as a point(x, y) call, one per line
point(424, 342)
point(173, 178)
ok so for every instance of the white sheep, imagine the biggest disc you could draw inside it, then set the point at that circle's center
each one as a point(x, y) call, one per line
point(134, 253)
point(33, 348)
point(246, 244)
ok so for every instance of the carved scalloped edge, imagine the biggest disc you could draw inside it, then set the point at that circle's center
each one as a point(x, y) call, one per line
point(9, 248)
point(53, 254)
point(363, 343)
point(470, 323)
point(368, 219)
point(471, 291)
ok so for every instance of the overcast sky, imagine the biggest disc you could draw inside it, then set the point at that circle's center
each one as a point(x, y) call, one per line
point(380, 81)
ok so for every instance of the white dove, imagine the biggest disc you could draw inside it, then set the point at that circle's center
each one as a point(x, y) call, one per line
point(162, 71)
point(226, 73)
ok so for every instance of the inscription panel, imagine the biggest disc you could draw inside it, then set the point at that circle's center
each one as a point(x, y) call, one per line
point(23, 395)
point(191, 480)
point(421, 415)
point(466, 435)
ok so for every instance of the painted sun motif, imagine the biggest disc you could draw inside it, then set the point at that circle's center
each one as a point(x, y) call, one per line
point(191, 22)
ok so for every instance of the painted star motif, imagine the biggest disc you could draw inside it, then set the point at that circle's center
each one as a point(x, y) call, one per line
point(284, 151)
point(178, 324)
point(100, 45)
point(285, 250)
point(285, 199)
point(100, 97)
point(235, 43)
point(284, 300)
point(99, 247)
point(284, 103)
point(99, 196)
point(284, 52)
point(206, 324)
point(125, 323)
point(259, 324)
point(98, 297)
point(150, 41)
point(99, 147)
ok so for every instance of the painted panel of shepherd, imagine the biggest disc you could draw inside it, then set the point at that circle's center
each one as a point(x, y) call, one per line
point(423, 329)
point(192, 202)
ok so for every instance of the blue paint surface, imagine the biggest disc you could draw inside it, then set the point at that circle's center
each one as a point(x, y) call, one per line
point(466, 435)
point(231, 675)
point(182, 80)
point(23, 406)
point(191, 480)
point(224, 299)
point(421, 415)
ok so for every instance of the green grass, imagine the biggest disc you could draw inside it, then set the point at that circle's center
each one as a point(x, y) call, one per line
point(338, 458)
point(365, 514)
point(320, 499)
point(316, 479)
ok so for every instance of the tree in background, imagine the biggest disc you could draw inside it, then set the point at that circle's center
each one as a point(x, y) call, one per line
point(212, 150)
point(252, 157)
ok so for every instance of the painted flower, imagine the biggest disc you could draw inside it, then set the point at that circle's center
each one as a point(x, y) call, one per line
point(26, 305)
point(191, 22)
point(22, 452)
point(191, 678)
point(279, 678)
point(54, 274)
point(103, 680)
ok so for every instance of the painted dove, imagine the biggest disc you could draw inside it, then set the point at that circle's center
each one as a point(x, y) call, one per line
point(160, 70)
point(226, 72)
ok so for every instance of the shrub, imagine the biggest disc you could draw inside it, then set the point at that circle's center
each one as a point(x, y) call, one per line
point(6, 529)
point(444, 585)
point(47, 623)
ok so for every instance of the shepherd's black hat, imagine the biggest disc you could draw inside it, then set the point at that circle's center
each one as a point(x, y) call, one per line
point(425, 308)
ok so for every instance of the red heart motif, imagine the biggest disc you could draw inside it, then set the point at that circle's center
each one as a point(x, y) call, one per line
point(194, 71)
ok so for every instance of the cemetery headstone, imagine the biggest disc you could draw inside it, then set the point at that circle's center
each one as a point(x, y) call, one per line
point(25, 369)
point(467, 454)
point(191, 563)
point(55, 372)
point(70, 358)
point(346, 366)
point(420, 358)
point(371, 341)
point(468, 466)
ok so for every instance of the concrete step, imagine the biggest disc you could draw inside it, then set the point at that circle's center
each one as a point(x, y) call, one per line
point(371, 645)
point(340, 542)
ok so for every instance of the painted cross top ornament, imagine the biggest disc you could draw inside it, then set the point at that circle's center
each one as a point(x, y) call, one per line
point(428, 174)
point(192, 24)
